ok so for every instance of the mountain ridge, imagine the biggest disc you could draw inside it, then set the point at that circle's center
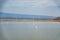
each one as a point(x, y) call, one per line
point(24, 16)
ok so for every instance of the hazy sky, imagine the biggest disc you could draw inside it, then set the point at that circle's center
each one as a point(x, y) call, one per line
point(34, 7)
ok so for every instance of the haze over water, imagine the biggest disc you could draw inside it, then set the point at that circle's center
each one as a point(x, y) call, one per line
point(30, 30)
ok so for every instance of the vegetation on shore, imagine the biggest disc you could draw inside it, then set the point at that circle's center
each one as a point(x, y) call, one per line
point(30, 20)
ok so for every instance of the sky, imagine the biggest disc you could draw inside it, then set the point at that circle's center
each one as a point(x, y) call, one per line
point(32, 7)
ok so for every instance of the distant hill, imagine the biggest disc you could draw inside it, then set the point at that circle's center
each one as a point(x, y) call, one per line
point(24, 16)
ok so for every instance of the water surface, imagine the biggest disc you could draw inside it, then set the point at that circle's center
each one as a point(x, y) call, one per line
point(30, 30)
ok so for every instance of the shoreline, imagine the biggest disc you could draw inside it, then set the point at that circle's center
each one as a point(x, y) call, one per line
point(28, 20)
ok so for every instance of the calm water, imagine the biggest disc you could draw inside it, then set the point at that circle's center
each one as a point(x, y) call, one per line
point(30, 30)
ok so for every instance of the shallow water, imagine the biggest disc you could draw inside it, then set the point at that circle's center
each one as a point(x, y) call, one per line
point(30, 30)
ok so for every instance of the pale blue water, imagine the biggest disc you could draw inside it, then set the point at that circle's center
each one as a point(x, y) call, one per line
point(30, 30)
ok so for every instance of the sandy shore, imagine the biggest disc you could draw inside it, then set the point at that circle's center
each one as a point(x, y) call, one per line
point(28, 20)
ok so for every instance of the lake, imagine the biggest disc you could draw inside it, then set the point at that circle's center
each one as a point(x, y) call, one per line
point(30, 30)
